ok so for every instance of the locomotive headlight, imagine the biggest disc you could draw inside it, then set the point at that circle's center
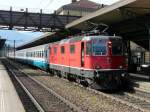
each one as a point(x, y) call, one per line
point(97, 67)
point(123, 75)
point(120, 67)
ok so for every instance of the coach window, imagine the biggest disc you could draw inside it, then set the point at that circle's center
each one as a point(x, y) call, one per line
point(35, 54)
point(62, 49)
point(42, 54)
point(55, 50)
point(72, 49)
point(88, 48)
point(38, 54)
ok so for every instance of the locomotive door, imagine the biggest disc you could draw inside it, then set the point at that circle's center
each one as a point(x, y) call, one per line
point(82, 54)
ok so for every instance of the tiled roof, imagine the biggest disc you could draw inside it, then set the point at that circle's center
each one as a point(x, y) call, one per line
point(82, 5)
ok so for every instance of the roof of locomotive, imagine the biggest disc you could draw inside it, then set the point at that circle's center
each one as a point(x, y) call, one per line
point(86, 38)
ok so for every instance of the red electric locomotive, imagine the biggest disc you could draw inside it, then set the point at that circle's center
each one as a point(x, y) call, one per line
point(97, 61)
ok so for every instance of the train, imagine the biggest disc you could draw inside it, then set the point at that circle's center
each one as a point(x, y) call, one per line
point(97, 61)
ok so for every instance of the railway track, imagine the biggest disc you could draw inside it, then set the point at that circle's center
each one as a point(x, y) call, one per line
point(122, 98)
point(139, 100)
point(44, 98)
point(143, 94)
point(29, 106)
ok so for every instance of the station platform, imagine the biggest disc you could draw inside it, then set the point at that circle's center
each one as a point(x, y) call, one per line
point(9, 99)
point(141, 83)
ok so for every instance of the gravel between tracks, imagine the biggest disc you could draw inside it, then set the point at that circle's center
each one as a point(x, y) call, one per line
point(85, 99)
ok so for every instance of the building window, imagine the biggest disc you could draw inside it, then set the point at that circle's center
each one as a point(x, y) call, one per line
point(72, 49)
point(62, 49)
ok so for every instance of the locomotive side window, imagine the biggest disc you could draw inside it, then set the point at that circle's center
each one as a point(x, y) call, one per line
point(72, 49)
point(99, 47)
point(62, 49)
point(88, 48)
point(55, 50)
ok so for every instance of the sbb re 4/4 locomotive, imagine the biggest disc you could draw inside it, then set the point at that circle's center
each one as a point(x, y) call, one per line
point(97, 61)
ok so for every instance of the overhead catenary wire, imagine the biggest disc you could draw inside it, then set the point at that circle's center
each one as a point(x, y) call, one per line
point(39, 4)
point(46, 5)
point(50, 1)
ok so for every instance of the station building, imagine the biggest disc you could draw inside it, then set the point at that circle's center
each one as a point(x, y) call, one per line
point(79, 8)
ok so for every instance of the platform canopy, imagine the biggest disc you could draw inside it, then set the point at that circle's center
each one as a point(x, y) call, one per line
point(46, 38)
point(115, 13)
point(2, 42)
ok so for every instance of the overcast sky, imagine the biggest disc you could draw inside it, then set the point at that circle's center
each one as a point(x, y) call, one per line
point(42, 4)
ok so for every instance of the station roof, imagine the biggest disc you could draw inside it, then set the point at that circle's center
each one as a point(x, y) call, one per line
point(127, 18)
point(46, 38)
point(117, 12)
point(38, 41)
point(2, 42)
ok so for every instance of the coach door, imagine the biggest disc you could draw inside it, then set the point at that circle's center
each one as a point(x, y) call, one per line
point(82, 54)
point(47, 51)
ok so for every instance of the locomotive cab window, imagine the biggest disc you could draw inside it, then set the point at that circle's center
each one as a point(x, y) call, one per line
point(117, 47)
point(72, 49)
point(62, 49)
point(99, 47)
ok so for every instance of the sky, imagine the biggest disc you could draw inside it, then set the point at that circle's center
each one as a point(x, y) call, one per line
point(48, 6)
point(20, 36)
